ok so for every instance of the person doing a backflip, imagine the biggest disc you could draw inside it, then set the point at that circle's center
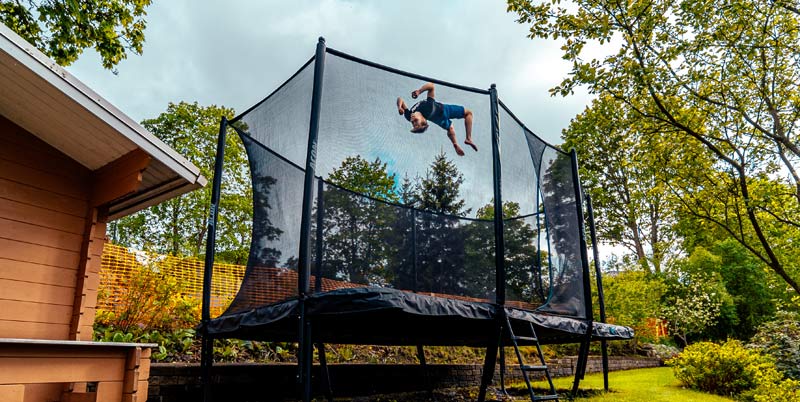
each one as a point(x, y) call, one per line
point(438, 113)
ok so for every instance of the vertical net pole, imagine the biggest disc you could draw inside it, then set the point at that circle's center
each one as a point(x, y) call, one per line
point(305, 351)
point(320, 220)
point(587, 290)
point(499, 250)
point(600, 297)
point(207, 346)
point(414, 248)
point(499, 244)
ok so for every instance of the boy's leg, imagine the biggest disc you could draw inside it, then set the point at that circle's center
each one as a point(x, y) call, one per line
point(468, 129)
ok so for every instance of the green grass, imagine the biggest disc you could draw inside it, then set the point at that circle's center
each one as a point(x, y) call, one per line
point(642, 385)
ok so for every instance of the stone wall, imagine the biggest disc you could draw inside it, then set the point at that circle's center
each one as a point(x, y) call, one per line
point(274, 382)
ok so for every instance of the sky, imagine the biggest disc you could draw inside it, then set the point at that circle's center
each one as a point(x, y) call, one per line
point(234, 53)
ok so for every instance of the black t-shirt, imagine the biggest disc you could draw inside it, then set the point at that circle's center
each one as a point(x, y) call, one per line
point(430, 109)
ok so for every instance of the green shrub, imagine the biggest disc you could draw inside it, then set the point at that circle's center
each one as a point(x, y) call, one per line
point(781, 340)
point(782, 391)
point(727, 369)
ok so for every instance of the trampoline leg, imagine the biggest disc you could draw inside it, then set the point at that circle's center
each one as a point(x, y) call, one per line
point(604, 348)
point(423, 363)
point(580, 367)
point(206, 361)
point(502, 366)
point(326, 375)
point(489, 363)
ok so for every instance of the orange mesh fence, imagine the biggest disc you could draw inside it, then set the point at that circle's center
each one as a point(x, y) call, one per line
point(270, 285)
point(119, 263)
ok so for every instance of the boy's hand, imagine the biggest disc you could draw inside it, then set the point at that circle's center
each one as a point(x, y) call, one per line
point(415, 93)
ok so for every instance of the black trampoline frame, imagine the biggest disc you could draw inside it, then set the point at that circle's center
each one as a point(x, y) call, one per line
point(305, 349)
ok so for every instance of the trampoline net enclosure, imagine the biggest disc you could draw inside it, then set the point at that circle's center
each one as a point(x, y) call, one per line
point(357, 240)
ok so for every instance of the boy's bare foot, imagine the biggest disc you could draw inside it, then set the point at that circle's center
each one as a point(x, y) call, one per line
point(470, 143)
point(459, 151)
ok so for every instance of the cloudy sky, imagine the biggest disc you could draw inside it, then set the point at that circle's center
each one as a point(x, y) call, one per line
point(234, 53)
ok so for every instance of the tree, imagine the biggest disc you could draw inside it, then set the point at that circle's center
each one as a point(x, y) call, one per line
point(696, 297)
point(633, 298)
point(629, 193)
point(440, 240)
point(63, 29)
point(178, 226)
point(724, 77)
point(356, 225)
point(521, 257)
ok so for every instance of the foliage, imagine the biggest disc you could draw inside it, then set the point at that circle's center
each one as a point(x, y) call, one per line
point(777, 391)
point(632, 298)
point(150, 301)
point(63, 29)
point(727, 369)
point(178, 226)
point(722, 79)
point(627, 184)
point(355, 227)
point(520, 255)
point(440, 189)
point(780, 339)
point(696, 298)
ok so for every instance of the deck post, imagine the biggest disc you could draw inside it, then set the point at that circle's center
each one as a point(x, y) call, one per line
point(207, 345)
point(305, 349)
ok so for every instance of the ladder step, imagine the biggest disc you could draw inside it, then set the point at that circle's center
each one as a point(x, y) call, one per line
point(546, 398)
point(526, 338)
point(533, 368)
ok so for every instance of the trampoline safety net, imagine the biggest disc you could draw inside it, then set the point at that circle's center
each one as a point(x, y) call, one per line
point(373, 240)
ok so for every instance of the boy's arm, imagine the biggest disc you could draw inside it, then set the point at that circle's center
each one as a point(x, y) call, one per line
point(401, 105)
point(427, 87)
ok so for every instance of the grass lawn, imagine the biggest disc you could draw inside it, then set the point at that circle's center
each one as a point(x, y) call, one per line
point(642, 385)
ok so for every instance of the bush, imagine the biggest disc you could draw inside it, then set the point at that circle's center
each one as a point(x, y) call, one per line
point(150, 301)
point(727, 369)
point(781, 391)
point(780, 339)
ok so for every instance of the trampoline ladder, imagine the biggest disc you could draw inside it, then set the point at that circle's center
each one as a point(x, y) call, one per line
point(525, 368)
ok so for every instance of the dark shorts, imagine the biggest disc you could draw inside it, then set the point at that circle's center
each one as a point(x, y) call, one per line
point(450, 112)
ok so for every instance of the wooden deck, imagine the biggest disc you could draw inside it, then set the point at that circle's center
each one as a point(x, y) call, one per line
point(33, 370)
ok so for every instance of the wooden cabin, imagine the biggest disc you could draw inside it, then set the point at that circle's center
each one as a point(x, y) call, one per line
point(69, 163)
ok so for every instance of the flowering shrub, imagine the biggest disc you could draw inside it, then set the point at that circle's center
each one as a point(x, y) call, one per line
point(150, 300)
point(731, 369)
point(727, 369)
point(781, 340)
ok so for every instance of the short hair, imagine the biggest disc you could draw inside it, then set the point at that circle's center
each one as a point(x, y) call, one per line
point(420, 129)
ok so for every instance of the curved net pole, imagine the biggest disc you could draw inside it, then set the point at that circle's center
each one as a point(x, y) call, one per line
point(583, 355)
point(600, 297)
point(207, 346)
point(305, 350)
point(499, 250)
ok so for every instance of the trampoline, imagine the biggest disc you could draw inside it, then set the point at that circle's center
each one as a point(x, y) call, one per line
point(328, 264)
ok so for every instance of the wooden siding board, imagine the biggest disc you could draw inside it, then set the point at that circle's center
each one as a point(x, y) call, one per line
point(26, 272)
point(26, 252)
point(22, 311)
point(42, 180)
point(35, 215)
point(43, 236)
point(30, 195)
point(29, 150)
point(36, 293)
point(33, 330)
